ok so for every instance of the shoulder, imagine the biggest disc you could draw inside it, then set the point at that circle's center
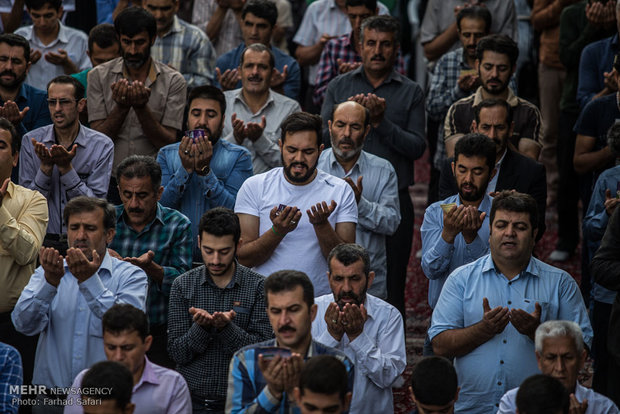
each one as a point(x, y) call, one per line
point(231, 147)
point(552, 273)
point(280, 99)
point(172, 216)
point(528, 164)
point(104, 68)
point(376, 162)
point(30, 196)
point(168, 72)
point(247, 350)
point(190, 278)
point(321, 349)
point(525, 105)
point(9, 354)
point(170, 150)
point(331, 181)
point(468, 101)
point(38, 133)
point(250, 277)
point(266, 177)
point(34, 93)
point(94, 135)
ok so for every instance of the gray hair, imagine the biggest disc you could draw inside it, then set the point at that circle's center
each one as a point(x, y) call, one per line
point(613, 139)
point(554, 329)
point(382, 23)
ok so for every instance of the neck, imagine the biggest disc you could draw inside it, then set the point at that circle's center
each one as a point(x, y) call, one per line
point(347, 164)
point(9, 94)
point(224, 280)
point(511, 268)
point(487, 95)
point(471, 203)
point(47, 38)
point(375, 78)
point(308, 181)
point(302, 347)
point(255, 100)
point(140, 73)
point(66, 136)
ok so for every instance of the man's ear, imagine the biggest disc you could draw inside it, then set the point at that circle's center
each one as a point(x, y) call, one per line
point(453, 168)
point(371, 278)
point(110, 235)
point(160, 191)
point(474, 126)
point(347, 401)
point(313, 310)
point(148, 341)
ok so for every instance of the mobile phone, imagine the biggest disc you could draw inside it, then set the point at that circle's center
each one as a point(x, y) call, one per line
point(270, 352)
point(194, 134)
point(280, 208)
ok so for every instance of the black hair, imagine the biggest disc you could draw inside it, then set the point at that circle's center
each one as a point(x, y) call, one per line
point(366, 112)
point(13, 39)
point(260, 48)
point(434, 381)
point(381, 23)
point(78, 88)
point(369, 4)
point(220, 221)
point(492, 103)
point(324, 374)
point(140, 166)
point(133, 21)
point(83, 203)
point(517, 203)
point(498, 43)
point(112, 377)
point(475, 12)
point(208, 92)
point(39, 4)
point(476, 145)
point(542, 394)
point(16, 141)
point(349, 253)
point(302, 121)
point(288, 280)
point(103, 35)
point(123, 317)
point(264, 9)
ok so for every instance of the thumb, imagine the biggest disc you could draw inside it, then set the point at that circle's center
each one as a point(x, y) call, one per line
point(73, 150)
point(218, 73)
point(485, 305)
point(96, 257)
point(537, 310)
point(284, 69)
point(483, 215)
point(607, 194)
point(150, 254)
point(233, 118)
point(24, 111)
point(333, 205)
point(359, 182)
point(263, 122)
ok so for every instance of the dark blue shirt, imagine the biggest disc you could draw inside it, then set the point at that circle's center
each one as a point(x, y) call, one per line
point(596, 119)
point(596, 59)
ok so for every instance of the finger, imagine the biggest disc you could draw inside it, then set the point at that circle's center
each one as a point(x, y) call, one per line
point(284, 71)
point(263, 121)
point(5, 185)
point(485, 305)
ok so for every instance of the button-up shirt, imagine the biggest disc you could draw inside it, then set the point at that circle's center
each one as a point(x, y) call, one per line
point(597, 403)
point(292, 83)
point(194, 194)
point(73, 41)
point(247, 388)
point(169, 236)
point(378, 209)
point(504, 361)
point(68, 317)
point(23, 220)
point(197, 350)
point(187, 49)
point(400, 137)
point(39, 113)
point(166, 103)
point(159, 391)
point(229, 35)
point(440, 258)
point(11, 375)
point(90, 175)
point(265, 150)
point(378, 353)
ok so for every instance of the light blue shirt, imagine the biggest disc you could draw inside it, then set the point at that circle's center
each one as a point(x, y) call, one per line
point(597, 403)
point(503, 362)
point(378, 353)
point(68, 317)
point(440, 258)
point(193, 194)
point(595, 223)
point(378, 209)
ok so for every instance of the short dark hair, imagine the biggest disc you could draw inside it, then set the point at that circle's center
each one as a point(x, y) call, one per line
point(39, 4)
point(475, 12)
point(492, 103)
point(78, 88)
point(434, 381)
point(133, 21)
point(542, 394)
point(349, 253)
point(103, 35)
point(324, 374)
point(264, 9)
point(220, 221)
point(613, 139)
point(16, 141)
point(83, 203)
point(140, 166)
point(517, 203)
point(113, 376)
point(208, 92)
point(13, 39)
point(369, 4)
point(476, 145)
point(382, 23)
point(260, 48)
point(302, 121)
point(366, 113)
point(498, 43)
point(288, 280)
point(123, 317)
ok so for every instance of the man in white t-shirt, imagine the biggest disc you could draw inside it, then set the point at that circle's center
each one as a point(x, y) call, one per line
point(275, 231)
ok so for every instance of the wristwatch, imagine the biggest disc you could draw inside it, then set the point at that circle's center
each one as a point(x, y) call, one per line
point(204, 170)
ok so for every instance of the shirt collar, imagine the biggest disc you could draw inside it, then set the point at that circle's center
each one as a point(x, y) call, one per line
point(238, 95)
point(80, 139)
point(392, 76)
point(511, 98)
point(11, 189)
point(205, 277)
point(175, 28)
point(332, 4)
point(148, 375)
point(531, 268)
point(154, 70)
point(63, 34)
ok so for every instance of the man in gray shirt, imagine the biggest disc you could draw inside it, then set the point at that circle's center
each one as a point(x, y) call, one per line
point(396, 108)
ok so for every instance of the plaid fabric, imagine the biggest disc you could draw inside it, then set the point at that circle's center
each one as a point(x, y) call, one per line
point(203, 355)
point(169, 236)
point(340, 48)
point(10, 375)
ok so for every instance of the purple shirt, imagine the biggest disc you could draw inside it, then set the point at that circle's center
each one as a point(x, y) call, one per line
point(159, 391)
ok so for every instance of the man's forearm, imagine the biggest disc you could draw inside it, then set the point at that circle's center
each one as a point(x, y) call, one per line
point(111, 125)
point(434, 49)
point(327, 237)
point(590, 161)
point(215, 23)
point(459, 342)
point(153, 129)
point(260, 250)
point(309, 55)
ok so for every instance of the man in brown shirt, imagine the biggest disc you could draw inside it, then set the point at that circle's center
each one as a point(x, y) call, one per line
point(135, 100)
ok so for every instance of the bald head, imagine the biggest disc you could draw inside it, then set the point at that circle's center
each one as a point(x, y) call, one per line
point(352, 108)
point(348, 129)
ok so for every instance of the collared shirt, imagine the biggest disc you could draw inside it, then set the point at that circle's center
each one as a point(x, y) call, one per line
point(90, 175)
point(400, 137)
point(597, 403)
point(595, 224)
point(265, 150)
point(503, 362)
point(166, 103)
point(229, 35)
point(73, 41)
point(39, 113)
point(378, 209)
point(169, 236)
point(340, 48)
point(324, 17)
point(159, 391)
point(10, 376)
point(596, 59)
point(292, 83)
point(247, 388)
point(378, 353)
point(493, 181)
point(444, 89)
point(23, 220)
point(197, 350)
point(194, 194)
point(68, 317)
point(187, 49)
point(440, 258)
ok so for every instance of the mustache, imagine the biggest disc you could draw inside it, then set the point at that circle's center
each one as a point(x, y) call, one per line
point(255, 78)
point(286, 328)
point(135, 210)
point(301, 164)
point(8, 72)
point(378, 57)
point(347, 141)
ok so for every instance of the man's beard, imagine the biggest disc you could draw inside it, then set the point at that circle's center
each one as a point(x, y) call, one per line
point(299, 179)
point(478, 193)
point(349, 154)
point(137, 61)
point(213, 136)
point(498, 89)
point(357, 299)
point(13, 84)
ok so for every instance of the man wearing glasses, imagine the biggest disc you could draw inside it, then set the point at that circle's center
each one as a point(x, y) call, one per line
point(65, 160)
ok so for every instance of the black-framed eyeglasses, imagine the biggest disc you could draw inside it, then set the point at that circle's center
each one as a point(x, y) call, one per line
point(61, 101)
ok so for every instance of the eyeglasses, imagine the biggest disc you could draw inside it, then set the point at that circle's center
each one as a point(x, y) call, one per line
point(61, 101)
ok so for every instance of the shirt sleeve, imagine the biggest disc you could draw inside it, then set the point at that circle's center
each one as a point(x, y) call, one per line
point(247, 200)
point(589, 73)
point(507, 403)
point(241, 396)
point(572, 307)
point(96, 184)
point(307, 34)
point(448, 313)
point(327, 70)
point(381, 216)
point(201, 62)
point(173, 180)
point(175, 102)
point(31, 313)
point(181, 402)
point(29, 168)
point(596, 219)
point(73, 406)
point(429, 29)
point(440, 94)
point(95, 96)
point(605, 267)
point(436, 252)
point(178, 259)
point(223, 192)
point(347, 209)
